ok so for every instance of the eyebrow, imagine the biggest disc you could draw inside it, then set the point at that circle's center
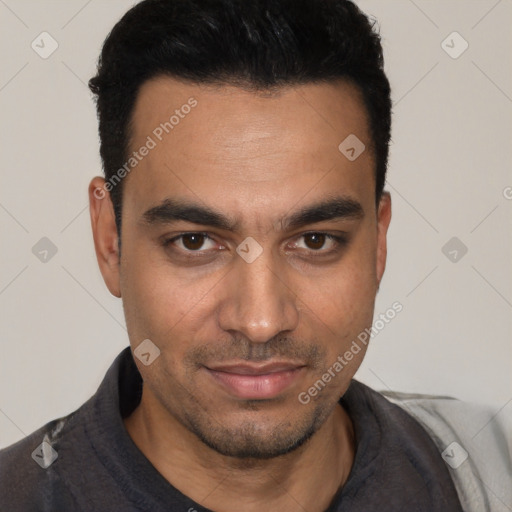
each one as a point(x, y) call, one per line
point(172, 210)
point(329, 209)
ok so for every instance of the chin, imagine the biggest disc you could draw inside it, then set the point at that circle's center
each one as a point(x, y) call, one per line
point(248, 440)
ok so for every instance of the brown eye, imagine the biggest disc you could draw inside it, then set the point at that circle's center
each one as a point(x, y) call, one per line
point(193, 241)
point(314, 241)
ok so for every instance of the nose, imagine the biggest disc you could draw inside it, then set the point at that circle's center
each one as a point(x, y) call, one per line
point(258, 302)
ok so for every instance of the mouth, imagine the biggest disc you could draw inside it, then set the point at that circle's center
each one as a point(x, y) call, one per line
point(256, 382)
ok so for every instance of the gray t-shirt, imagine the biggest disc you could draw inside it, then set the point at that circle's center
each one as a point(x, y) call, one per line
point(99, 468)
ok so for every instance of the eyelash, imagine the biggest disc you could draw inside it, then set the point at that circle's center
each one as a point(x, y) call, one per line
point(340, 241)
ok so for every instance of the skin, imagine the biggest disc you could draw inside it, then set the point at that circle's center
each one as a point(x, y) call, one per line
point(257, 159)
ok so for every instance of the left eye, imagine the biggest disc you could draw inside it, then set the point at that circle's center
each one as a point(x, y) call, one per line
point(193, 241)
point(318, 241)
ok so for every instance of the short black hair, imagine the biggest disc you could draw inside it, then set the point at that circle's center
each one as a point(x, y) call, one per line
point(256, 44)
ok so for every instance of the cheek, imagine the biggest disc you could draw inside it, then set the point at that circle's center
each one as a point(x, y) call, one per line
point(161, 302)
point(343, 308)
point(151, 298)
point(339, 306)
point(346, 291)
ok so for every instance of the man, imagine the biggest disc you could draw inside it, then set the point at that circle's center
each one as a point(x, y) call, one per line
point(242, 220)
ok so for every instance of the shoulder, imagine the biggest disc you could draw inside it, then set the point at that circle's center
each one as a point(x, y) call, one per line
point(474, 440)
point(58, 467)
point(27, 480)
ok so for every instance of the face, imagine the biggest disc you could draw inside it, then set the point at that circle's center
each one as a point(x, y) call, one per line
point(252, 250)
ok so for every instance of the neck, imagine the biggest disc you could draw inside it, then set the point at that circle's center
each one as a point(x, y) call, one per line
point(305, 479)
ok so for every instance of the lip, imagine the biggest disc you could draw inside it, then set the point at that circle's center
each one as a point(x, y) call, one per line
point(256, 382)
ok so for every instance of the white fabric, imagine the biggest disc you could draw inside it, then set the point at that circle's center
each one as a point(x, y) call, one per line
point(483, 477)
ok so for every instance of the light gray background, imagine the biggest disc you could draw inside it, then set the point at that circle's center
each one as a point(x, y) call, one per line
point(449, 173)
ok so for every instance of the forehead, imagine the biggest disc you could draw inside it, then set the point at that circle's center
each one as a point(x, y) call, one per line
point(223, 144)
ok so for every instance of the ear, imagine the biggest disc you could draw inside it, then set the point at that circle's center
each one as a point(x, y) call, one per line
point(105, 234)
point(383, 220)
